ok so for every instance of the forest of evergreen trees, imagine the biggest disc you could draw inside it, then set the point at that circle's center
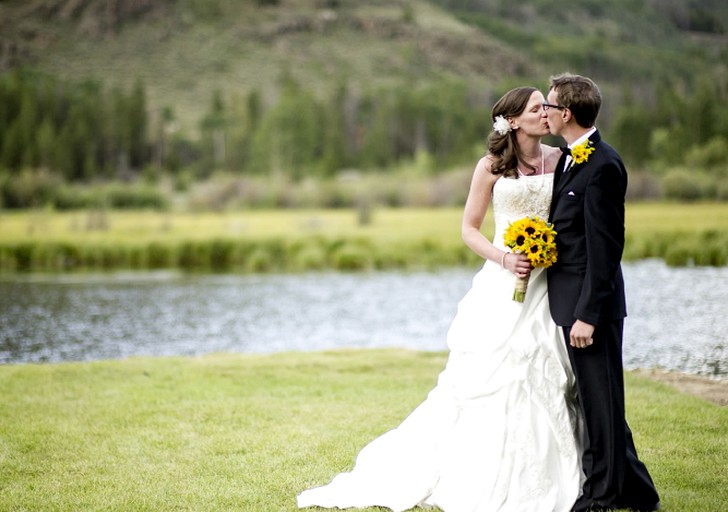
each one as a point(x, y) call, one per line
point(54, 133)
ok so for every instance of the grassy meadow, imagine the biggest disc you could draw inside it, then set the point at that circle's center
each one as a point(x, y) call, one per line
point(299, 240)
point(248, 432)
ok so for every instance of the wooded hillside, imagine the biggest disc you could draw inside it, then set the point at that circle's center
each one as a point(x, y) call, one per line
point(313, 87)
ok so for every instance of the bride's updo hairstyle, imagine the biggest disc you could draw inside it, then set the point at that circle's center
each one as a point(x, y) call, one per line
point(503, 146)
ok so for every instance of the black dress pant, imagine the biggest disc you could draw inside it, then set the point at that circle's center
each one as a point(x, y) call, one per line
point(615, 477)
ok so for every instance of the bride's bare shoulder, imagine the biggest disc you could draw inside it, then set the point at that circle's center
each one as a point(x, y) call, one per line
point(484, 166)
point(550, 150)
point(551, 157)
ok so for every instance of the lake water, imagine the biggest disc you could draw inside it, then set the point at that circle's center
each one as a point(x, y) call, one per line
point(677, 315)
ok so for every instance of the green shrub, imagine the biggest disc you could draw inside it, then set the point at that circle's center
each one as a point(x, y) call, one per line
point(711, 249)
point(191, 256)
point(713, 153)
point(129, 197)
point(221, 253)
point(308, 254)
point(8, 263)
point(28, 189)
point(352, 256)
point(721, 189)
point(156, 256)
point(685, 186)
point(678, 255)
point(259, 260)
point(69, 197)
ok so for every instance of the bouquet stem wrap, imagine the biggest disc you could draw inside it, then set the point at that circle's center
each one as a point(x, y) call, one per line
point(519, 294)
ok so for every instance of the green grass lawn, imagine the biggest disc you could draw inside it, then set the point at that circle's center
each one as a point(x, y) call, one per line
point(248, 432)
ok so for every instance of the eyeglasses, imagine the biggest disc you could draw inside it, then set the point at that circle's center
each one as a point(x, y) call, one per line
point(547, 106)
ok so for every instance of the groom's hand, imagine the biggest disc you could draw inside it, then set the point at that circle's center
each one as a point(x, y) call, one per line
point(581, 334)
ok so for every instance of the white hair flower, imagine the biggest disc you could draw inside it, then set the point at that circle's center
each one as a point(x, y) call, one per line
point(501, 126)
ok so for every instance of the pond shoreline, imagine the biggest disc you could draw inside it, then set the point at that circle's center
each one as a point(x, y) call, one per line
point(711, 389)
point(676, 320)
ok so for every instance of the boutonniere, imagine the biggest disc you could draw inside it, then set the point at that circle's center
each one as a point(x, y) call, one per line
point(580, 153)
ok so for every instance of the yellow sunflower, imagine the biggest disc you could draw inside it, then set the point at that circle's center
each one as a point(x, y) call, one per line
point(535, 238)
point(518, 234)
point(531, 236)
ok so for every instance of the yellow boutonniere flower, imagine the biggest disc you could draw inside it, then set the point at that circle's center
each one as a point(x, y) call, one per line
point(580, 153)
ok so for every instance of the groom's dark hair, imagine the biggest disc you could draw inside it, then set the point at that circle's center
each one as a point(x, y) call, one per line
point(580, 95)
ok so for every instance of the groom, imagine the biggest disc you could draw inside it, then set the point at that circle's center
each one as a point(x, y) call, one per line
point(586, 294)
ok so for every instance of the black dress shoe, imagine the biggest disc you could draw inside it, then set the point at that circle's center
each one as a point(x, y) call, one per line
point(591, 507)
point(649, 508)
point(641, 508)
point(596, 507)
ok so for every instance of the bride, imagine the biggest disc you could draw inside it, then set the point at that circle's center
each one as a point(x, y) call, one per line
point(500, 430)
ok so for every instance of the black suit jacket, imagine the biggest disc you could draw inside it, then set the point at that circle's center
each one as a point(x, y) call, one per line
point(587, 211)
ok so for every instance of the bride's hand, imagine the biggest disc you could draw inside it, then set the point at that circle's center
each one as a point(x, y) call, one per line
point(518, 264)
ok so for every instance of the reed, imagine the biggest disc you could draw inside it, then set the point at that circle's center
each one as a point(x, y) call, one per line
point(300, 240)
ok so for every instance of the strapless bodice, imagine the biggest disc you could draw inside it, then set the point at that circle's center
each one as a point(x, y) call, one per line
point(514, 199)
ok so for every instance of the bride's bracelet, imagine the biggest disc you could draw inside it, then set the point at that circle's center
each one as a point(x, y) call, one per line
point(503, 259)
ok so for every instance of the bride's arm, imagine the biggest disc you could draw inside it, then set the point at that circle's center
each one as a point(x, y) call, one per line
point(476, 206)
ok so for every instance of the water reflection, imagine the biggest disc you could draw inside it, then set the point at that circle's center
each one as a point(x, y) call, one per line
point(675, 321)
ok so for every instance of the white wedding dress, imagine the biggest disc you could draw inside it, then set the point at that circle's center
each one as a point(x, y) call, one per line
point(499, 430)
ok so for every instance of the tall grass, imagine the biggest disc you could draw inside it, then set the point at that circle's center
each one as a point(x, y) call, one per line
point(296, 240)
point(248, 432)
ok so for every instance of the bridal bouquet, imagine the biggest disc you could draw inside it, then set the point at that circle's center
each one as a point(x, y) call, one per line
point(536, 239)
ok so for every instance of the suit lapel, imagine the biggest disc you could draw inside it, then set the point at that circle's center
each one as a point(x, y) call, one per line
point(565, 177)
point(559, 170)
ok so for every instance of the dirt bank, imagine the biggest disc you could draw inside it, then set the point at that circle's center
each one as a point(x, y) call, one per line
point(704, 387)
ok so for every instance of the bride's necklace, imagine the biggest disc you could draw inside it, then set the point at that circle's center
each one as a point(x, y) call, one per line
point(543, 168)
point(543, 171)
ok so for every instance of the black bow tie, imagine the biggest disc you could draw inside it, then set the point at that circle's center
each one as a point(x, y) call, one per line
point(565, 150)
